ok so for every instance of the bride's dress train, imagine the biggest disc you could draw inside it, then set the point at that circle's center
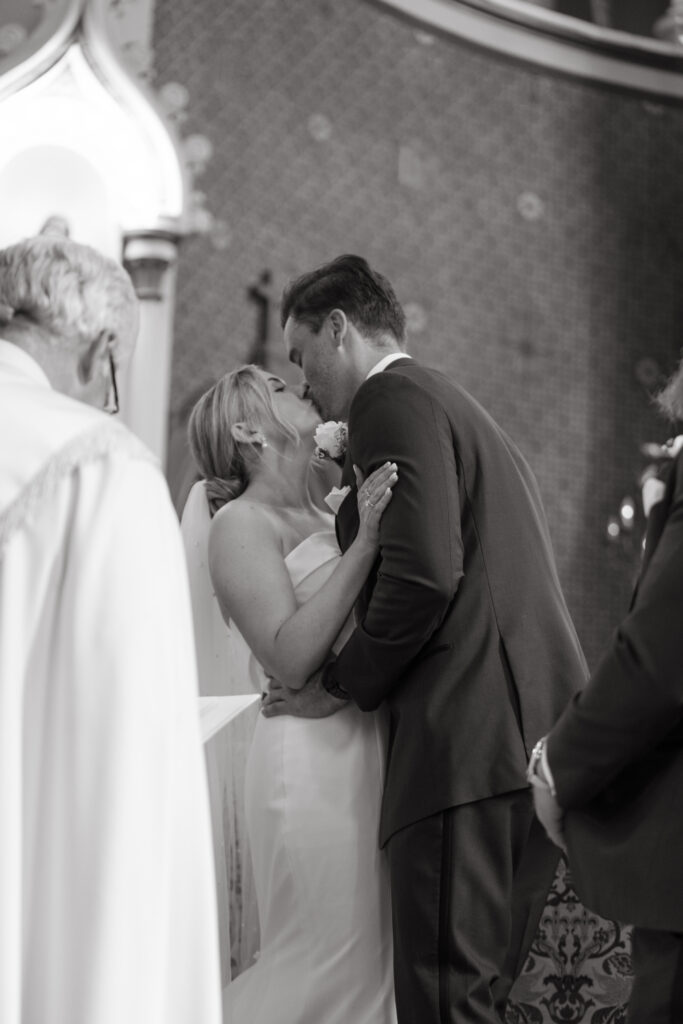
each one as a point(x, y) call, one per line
point(313, 792)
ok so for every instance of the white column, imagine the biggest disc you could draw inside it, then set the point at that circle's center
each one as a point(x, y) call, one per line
point(150, 259)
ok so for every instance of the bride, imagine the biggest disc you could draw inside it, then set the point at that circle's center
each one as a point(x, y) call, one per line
point(313, 786)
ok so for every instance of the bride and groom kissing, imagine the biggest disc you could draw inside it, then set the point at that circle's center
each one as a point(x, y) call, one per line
point(412, 651)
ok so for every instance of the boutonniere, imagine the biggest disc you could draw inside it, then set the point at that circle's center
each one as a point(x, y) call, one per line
point(331, 440)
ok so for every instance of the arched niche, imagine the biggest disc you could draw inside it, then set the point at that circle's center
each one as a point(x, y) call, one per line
point(85, 141)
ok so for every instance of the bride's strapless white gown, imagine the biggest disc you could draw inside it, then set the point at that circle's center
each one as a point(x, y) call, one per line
point(313, 792)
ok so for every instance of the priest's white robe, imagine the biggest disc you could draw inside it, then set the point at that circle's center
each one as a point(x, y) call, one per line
point(107, 893)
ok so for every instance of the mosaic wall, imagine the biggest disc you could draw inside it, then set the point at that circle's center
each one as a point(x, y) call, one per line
point(532, 225)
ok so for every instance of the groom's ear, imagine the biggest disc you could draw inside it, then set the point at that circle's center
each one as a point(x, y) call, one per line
point(338, 326)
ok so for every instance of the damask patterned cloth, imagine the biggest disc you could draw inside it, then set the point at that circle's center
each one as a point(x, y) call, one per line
point(579, 969)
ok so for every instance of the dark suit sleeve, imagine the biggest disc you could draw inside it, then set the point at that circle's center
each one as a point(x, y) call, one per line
point(392, 418)
point(636, 694)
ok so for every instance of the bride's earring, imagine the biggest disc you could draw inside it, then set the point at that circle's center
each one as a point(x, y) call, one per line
point(260, 439)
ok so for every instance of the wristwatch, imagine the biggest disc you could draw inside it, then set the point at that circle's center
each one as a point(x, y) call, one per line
point(330, 684)
point(532, 769)
point(532, 773)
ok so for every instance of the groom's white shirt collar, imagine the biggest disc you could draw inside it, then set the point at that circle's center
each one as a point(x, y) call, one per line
point(14, 361)
point(386, 361)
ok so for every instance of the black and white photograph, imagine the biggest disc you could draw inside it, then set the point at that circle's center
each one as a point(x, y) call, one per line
point(341, 512)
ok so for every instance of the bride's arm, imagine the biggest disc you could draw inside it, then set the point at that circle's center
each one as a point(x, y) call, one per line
point(254, 589)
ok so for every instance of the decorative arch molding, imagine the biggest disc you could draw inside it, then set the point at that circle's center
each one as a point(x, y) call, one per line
point(140, 103)
point(554, 41)
point(72, 42)
point(36, 36)
point(86, 140)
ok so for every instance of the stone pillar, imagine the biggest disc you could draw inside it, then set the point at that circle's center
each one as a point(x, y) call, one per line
point(150, 259)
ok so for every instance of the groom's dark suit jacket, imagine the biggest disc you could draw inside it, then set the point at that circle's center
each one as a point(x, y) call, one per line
point(463, 631)
point(617, 752)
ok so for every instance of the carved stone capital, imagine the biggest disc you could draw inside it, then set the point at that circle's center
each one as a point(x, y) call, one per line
point(147, 256)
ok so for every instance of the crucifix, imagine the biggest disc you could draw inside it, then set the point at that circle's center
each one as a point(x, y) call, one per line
point(261, 294)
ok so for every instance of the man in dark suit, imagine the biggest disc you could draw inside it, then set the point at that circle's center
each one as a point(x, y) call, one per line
point(609, 776)
point(462, 632)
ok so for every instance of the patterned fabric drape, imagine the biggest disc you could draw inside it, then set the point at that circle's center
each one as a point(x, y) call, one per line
point(579, 969)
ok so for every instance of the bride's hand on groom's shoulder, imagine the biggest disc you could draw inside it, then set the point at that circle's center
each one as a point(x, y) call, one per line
point(374, 494)
point(311, 701)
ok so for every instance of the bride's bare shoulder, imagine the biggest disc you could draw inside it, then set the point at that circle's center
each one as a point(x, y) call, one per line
point(245, 523)
point(245, 557)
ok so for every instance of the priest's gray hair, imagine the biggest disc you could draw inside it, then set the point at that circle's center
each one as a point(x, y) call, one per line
point(68, 290)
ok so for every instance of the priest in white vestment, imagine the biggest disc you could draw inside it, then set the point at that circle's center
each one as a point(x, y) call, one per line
point(107, 893)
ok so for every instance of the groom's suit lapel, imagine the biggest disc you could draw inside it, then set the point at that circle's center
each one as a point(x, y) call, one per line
point(346, 523)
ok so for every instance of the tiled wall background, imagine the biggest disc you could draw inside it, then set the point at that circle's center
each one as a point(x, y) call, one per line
point(532, 224)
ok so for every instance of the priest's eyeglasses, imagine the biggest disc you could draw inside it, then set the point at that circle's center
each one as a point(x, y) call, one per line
point(112, 406)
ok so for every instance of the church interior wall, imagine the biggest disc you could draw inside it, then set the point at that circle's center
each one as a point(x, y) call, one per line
point(532, 225)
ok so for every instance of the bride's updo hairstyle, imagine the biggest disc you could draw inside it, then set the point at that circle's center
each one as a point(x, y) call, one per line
point(241, 396)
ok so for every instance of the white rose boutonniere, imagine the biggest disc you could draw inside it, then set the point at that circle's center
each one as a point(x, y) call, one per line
point(331, 440)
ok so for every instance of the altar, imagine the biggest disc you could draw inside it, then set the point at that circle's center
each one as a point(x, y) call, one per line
point(227, 723)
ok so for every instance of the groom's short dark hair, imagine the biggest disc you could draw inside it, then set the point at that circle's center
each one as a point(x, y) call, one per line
point(350, 284)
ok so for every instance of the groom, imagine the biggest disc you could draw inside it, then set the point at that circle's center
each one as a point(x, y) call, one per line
point(463, 633)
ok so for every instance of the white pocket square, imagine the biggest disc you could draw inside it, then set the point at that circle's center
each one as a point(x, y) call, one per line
point(335, 498)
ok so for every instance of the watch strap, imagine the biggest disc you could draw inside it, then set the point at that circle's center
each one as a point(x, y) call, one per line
point(330, 684)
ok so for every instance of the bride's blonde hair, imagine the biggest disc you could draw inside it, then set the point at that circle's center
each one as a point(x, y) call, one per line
point(241, 396)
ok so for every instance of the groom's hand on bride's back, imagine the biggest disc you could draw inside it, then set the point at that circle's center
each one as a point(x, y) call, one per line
point(310, 701)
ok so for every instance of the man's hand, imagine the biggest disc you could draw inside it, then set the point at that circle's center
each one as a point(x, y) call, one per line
point(311, 701)
point(550, 814)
